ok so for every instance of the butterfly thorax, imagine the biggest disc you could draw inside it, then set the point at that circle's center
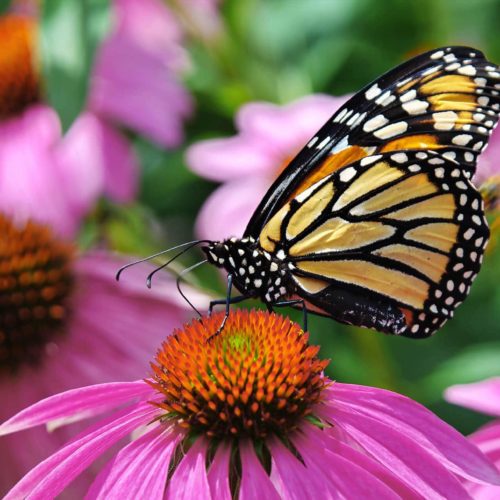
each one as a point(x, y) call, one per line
point(256, 273)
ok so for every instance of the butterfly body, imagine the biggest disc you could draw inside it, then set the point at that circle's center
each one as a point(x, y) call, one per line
point(376, 222)
point(256, 272)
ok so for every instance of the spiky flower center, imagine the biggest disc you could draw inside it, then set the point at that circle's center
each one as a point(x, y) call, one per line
point(35, 283)
point(258, 377)
point(19, 82)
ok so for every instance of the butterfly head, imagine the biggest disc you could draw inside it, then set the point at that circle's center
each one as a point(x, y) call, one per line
point(256, 273)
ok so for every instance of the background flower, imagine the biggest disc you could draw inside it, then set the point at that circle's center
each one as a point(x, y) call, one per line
point(269, 137)
point(483, 397)
point(66, 323)
point(150, 99)
point(43, 175)
point(264, 400)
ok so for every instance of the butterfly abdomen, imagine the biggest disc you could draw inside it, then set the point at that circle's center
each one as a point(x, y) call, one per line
point(256, 272)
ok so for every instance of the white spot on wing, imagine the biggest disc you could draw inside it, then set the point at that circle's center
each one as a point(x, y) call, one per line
point(391, 130)
point(372, 92)
point(347, 174)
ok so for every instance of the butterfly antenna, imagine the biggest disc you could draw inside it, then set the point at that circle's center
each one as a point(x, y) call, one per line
point(176, 256)
point(130, 264)
point(178, 281)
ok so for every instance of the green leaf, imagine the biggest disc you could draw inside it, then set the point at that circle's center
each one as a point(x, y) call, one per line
point(4, 6)
point(70, 31)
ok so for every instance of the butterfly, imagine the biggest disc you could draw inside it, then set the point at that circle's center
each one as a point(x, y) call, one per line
point(375, 222)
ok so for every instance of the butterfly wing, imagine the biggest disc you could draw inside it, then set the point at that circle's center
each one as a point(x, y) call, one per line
point(446, 100)
point(392, 241)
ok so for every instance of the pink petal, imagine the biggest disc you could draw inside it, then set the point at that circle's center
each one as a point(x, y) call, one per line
point(218, 474)
point(190, 478)
point(30, 182)
point(96, 157)
point(228, 210)
point(148, 22)
point(417, 468)
point(290, 477)
point(287, 128)
point(412, 420)
point(481, 396)
point(487, 439)
point(84, 402)
point(233, 158)
point(255, 483)
point(149, 99)
point(341, 477)
point(488, 164)
point(50, 477)
point(140, 469)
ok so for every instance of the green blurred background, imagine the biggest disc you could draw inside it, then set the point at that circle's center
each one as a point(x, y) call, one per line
point(278, 50)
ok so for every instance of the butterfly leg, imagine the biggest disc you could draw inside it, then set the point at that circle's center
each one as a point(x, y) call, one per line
point(232, 300)
point(293, 302)
point(228, 302)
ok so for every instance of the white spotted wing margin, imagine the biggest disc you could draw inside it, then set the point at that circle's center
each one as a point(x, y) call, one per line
point(392, 242)
point(446, 99)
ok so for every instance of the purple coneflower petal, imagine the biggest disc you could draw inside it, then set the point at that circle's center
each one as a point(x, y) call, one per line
point(404, 417)
point(231, 158)
point(51, 476)
point(482, 396)
point(335, 470)
point(255, 483)
point(229, 208)
point(82, 403)
point(218, 474)
point(332, 444)
point(140, 469)
point(290, 477)
point(190, 478)
point(412, 463)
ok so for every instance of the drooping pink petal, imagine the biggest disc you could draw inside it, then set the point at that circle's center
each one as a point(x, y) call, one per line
point(84, 402)
point(139, 470)
point(218, 474)
point(488, 164)
point(487, 439)
point(272, 124)
point(149, 99)
point(290, 477)
point(255, 483)
point(190, 478)
point(412, 420)
point(481, 396)
point(51, 476)
point(228, 210)
point(97, 158)
point(231, 158)
point(411, 462)
point(30, 183)
point(336, 472)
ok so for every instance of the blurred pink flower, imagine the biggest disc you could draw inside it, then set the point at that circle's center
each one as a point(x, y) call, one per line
point(489, 162)
point(206, 410)
point(65, 322)
point(43, 175)
point(135, 79)
point(483, 397)
point(269, 136)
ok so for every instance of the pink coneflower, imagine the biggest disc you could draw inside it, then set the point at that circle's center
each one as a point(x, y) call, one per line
point(44, 176)
point(483, 397)
point(269, 136)
point(65, 323)
point(249, 414)
point(135, 81)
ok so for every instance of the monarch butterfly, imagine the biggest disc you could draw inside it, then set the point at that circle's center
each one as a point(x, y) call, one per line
point(375, 222)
